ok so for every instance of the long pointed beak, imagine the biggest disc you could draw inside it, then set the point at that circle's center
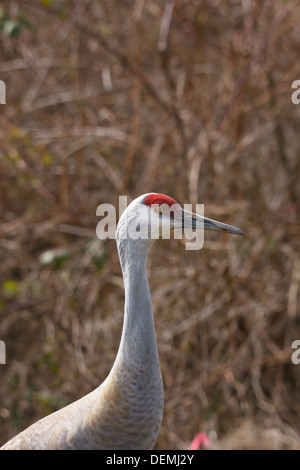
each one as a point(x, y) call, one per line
point(195, 221)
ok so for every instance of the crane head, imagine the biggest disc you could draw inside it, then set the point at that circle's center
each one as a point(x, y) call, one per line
point(155, 215)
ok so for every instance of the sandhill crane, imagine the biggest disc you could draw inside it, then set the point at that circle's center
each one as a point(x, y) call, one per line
point(125, 411)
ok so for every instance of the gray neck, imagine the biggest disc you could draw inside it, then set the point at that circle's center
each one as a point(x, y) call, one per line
point(138, 342)
point(134, 388)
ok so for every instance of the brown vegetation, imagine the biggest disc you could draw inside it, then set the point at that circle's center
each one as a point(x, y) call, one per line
point(191, 99)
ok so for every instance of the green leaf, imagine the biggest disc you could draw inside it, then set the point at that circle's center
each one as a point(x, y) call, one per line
point(46, 3)
point(11, 27)
point(11, 287)
point(99, 262)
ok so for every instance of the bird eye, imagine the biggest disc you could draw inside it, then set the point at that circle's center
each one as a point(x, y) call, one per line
point(159, 209)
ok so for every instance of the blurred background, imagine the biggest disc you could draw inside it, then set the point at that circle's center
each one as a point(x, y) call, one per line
point(189, 98)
